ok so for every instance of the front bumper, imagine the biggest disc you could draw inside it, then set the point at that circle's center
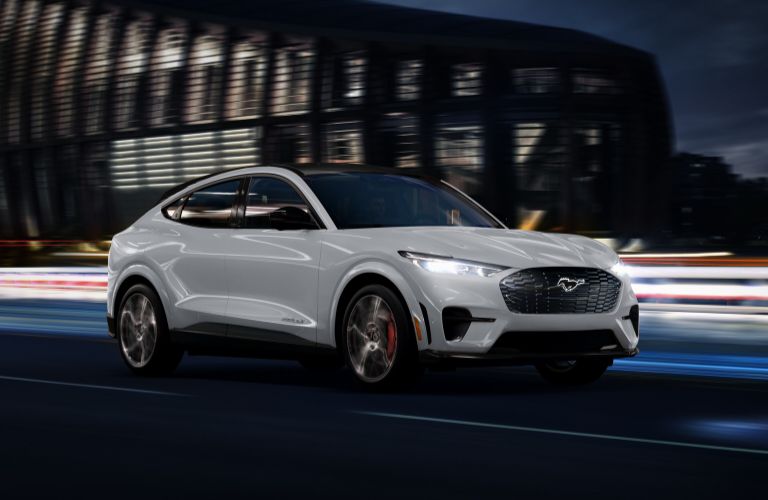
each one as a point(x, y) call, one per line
point(440, 359)
point(482, 299)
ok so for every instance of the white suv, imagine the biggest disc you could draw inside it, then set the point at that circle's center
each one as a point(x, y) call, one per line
point(384, 271)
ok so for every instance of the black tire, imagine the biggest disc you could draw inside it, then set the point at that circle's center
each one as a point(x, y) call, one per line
point(578, 372)
point(404, 368)
point(165, 356)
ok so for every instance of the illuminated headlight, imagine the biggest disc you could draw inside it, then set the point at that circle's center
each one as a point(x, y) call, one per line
point(619, 269)
point(448, 265)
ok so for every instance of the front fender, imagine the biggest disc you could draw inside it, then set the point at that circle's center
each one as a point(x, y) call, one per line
point(380, 268)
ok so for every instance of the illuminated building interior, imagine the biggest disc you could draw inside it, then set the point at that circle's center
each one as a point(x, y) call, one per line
point(107, 104)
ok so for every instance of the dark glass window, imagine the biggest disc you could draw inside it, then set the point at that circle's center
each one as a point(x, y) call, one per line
point(205, 75)
point(535, 80)
point(130, 67)
point(170, 210)
point(358, 200)
point(343, 143)
point(211, 206)
point(459, 151)
point(595, 81)
point(271, 202)
point(292, 77)
point(408, 80)
point(97, 68)
point(246, 77)
point(68, 71)
point(397, 143)
point(43, 68)
point(466, 79)
point(344, 82)
point(166, 68)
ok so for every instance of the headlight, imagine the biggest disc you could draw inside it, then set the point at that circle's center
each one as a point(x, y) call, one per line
point(619, 269)
point(448, 265)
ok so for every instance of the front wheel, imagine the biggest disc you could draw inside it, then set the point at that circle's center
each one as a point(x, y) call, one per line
point(378, 342)
point(142, 333)
point(575, 372)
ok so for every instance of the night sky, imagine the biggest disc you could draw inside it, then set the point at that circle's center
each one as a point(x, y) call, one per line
point(713, 56)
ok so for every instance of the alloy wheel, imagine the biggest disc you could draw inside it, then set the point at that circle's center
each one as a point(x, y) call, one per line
point(138, 330)
point(371, 338)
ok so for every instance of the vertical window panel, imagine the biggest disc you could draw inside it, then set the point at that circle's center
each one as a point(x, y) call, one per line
point(344, 80)
point(165, 73)
point(398, 141)
point(539, 157)
point(45, 187)
point(42, 69)
point(67, 70)
point(289, 144)
point(246, 79)
point(595, 156)
point(5, 208)
point(535, 80)
point(97, 68)
point(595, 81)
point(408, 80)
point(8, 12)
point(343, 143)
point(466, 79)
point(205, 76)
point(459, 153)
point(22, 45)
point(131, 65)
point(292, 78)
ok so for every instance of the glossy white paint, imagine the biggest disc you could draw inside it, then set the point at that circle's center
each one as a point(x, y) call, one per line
point(289, 282)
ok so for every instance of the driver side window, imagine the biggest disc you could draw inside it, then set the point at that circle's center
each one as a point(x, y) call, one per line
point(274, 204)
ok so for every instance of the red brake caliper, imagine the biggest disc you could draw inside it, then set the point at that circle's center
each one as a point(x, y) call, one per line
point(391, 339)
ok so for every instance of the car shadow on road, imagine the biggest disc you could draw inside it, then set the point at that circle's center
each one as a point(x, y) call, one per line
point(470, 381)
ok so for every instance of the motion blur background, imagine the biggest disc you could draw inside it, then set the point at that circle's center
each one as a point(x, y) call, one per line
point(105, 105)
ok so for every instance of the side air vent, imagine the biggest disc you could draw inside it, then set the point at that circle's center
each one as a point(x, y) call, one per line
point(456, 321)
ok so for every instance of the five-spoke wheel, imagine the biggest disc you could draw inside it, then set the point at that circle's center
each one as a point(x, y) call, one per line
point(142, 333)
point(379, 344)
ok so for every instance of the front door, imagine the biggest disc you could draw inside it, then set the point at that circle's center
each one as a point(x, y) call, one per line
point(273, 266)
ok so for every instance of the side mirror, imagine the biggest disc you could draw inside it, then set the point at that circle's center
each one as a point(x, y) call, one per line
point(291, 218)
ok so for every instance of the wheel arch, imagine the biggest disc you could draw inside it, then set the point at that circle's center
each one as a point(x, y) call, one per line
point(135, 275)
point(371, 276)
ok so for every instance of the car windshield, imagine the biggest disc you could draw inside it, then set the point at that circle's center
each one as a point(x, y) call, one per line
point(358, 200)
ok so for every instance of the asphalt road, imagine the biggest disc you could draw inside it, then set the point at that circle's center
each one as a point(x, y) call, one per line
point(74, 423)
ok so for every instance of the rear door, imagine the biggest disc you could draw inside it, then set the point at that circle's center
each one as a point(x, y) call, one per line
point(273, 265)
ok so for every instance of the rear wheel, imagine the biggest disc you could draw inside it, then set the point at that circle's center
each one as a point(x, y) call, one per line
point(378, 343)
point(142, 333)
point(574, 372)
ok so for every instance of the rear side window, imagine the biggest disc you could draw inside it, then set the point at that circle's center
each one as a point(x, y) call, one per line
point(211, 206)
point(170, 210)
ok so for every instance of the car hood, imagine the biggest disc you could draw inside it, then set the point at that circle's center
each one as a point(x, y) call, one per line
point(513, 248)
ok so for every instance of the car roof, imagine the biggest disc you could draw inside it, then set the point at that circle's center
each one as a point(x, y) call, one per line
point(303, 170)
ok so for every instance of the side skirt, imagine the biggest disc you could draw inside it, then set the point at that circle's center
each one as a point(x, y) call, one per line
point(210, 340)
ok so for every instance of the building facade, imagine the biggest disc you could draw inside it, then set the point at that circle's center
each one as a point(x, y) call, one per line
point(104, 105)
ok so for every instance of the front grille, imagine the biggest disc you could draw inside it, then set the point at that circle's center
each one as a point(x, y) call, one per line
point(535, 343)
point(560, 290)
